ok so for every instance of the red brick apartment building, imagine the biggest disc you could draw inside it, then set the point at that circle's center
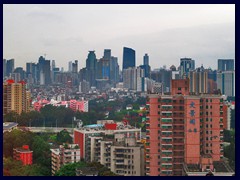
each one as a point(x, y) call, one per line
point(183, 130)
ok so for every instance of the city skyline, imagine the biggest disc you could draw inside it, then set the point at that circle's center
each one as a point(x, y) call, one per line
point(167, 33)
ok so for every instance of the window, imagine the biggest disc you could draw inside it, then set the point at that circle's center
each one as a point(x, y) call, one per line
point(179, 88)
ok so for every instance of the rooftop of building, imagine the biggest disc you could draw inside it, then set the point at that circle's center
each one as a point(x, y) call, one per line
point(219, 166)
point(24, 148)
point(185, 96)
point(102, 128)
point(56, 150)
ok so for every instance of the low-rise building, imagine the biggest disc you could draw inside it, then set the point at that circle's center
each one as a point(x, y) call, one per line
point(65, 154)
point(23, 154)
point(100, 142)
point(216, 168)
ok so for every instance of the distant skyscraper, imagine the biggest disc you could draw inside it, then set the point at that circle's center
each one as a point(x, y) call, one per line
point(55, 72)
point(226, 82)
point(70, 66)
point(44, 68)
point(84, 86)
point(133, 78)
point(186, 64)
point(10, 66)
point(128, 58)
point(114, 70)
point(21, 73)
point(173, 68)
point(145, 66)
point(199, 81)
point(75, 67)
point(53, 64)
point(225, 64)
point(107, 54)
point(146, 59)
point(91, 61)
point(164, 76)
point(91, 65)
point(212, 74)
point(16, 77)
point(31, 72)
point(103, 69)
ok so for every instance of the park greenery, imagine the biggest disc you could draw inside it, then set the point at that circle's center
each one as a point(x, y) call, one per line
point(70, 169)
point(52, 116)
point(40, 144)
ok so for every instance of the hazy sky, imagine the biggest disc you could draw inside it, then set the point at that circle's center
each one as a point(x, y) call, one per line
point(166, 32)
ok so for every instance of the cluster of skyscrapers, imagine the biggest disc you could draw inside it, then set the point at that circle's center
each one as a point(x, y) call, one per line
point(104, 73)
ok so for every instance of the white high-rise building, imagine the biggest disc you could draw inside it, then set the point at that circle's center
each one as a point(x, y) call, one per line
point(133, 78)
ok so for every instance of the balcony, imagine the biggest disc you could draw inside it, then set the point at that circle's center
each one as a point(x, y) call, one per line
point(119, 162)
point(175, 128)
point(178, 121)
point(166, 127)
point(178, 154)
point(178, 141)
point(177, 166)
point(166, 159)
point(166, 146)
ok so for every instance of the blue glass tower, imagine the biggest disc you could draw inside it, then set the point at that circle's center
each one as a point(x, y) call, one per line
point(128, 58)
